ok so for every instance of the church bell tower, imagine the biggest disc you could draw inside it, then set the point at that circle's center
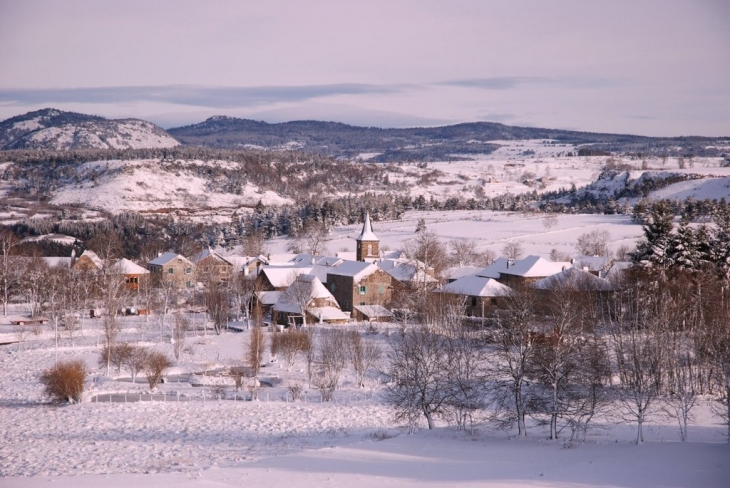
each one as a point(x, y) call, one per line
point(368, 244)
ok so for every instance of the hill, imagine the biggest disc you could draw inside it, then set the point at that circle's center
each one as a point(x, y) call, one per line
point(52, 129)
point(454, 142)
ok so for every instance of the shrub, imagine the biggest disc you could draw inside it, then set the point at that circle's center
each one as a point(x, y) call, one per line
point(116, 355)
point(65, 381)
point(155, 366)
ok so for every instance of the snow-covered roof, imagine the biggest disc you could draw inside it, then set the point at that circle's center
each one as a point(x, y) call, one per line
point(316, 291)
point(461, 271)
point(373, 311)
point(617, 268)
point(206, 253)
point(93, 257)
point(405, 272)
point(367, 231)
point(536, 267)
point(268, 297)
point(239, 262)
point(476, 286)
point(356, 269)
point(573, 279)
point(127, 267)
point(166, 257)
point(311, 259)
point(494, 269)
point(326, 314)
point(281, 277)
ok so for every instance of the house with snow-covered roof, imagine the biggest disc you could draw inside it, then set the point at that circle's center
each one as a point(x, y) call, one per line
point(481, 294)
point(357, 284)
point(174, 270)
point(88, 261)
point(306, 296)
point(134, 274)
point(211, 265)
point(529, 270)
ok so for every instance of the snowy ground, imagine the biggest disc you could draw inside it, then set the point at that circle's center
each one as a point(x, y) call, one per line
point(353, 442)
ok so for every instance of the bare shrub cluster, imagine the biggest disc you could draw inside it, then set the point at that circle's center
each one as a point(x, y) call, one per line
point(65, 381)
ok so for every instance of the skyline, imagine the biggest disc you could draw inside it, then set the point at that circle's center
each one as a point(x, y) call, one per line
point(649, 68)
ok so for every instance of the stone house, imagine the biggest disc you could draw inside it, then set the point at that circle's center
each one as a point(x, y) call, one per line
point(173, 270)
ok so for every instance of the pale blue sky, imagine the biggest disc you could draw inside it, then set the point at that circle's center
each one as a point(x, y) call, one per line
point(654, 67)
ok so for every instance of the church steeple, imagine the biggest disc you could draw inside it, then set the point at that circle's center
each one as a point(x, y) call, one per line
point(368, 244)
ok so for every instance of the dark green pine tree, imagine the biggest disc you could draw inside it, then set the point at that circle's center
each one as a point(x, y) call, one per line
point(654, 250)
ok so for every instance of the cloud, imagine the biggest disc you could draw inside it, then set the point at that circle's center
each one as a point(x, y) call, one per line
point(200, 96)
point(514, 82)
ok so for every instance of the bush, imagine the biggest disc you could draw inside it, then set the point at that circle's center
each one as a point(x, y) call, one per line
point(65, 381)
point(155, 366)
point(115, 355)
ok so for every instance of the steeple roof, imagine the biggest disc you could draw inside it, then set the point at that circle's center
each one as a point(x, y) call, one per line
point(367, 231)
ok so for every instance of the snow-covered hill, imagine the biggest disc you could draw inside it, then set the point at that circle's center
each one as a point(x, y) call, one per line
point(55, 130)
point(147, 186)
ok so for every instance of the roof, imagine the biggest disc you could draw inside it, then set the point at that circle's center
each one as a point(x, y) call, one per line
point(316, 291)
point(166, 257)
point(127, 267)
point(405, 272)
point(356, 269)
point(326, 314)
point(476, 286)
point(461, 271)
point(311, 259)
point(367, 231)
point(373, 311)
point(93, 257)
point(281, 277)
point(268, 297)
point(494, 269)
point(536, 267)
point(207, 253)
point(573, 279)
point(239, 262)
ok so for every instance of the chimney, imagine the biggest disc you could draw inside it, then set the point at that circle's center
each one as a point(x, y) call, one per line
point(510, 263)
point(159, 254)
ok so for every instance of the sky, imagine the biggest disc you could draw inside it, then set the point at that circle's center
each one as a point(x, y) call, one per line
point(651, 67)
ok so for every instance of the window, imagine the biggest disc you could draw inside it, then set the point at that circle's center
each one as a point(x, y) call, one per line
point(381, 290)
point(332, 287)
point(170, 270)
point(362, 289)
point(189, 284)
point(188, 270)
point(362, 303)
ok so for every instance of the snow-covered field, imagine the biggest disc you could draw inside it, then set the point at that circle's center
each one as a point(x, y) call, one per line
point(489, 230)
point(353, 442)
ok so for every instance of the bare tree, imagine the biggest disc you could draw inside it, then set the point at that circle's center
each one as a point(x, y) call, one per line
point(9, 276)
point(299, 294)
point(550, 221)
point(637, 348)
point(331, 361)
point(218, 304)
point(179, 334)
point(419, 383)
point(513, 250)
point(428, 255)
point(594, 243)
point(290, 345)
point(255, 353)
point(514, 352)
point(364, 355)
